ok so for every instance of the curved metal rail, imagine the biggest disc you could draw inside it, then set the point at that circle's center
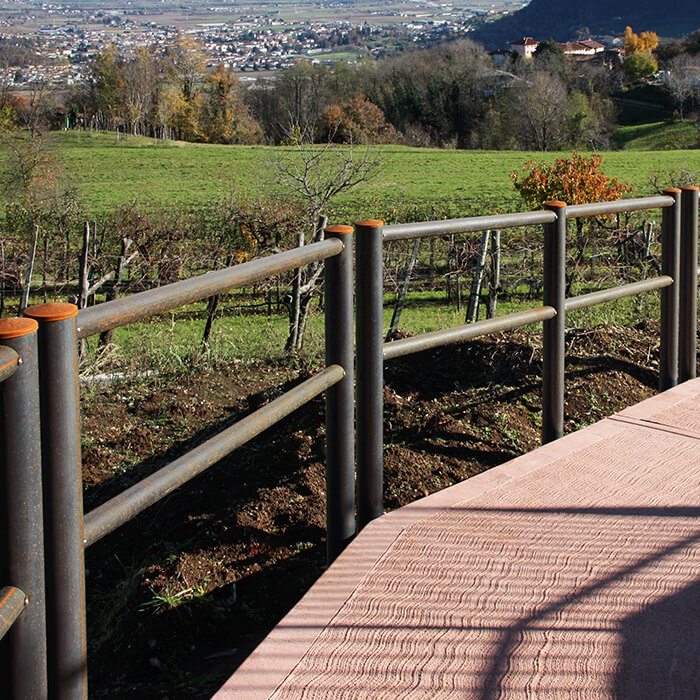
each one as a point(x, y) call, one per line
point(9, 362)
point(12, 603)
point(618, 206)
point(403, 232)
point(427, 341)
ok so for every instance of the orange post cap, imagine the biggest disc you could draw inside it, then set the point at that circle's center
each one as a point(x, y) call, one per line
point(339, 229)
point(56, 311)
point(671, 190)
point(370, 223)
point(555, 204)
point(17, 327)
point(690, 188)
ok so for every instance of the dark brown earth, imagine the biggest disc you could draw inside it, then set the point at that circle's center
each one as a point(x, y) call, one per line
point(178, 597)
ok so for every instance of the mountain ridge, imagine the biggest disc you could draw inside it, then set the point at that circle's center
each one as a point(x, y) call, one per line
point(550, 19)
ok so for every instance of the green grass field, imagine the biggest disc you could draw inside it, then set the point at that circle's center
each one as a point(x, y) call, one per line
point(108, 172)
point(658, 136)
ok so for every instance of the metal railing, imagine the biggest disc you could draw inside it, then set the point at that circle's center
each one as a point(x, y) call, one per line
point(40, 369)
point(678, 283)
point(22, 600)
point(45, 539)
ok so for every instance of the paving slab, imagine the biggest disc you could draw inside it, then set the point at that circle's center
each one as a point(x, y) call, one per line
point(676, 409)
point(570, 572)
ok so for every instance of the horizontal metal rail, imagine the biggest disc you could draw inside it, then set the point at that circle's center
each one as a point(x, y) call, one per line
point(619, 205)
point(625, 290)
point(135, 307)
point(9, 361)
point(12, 603)
point(122, 508)
point(427, 341)
point(402, 232)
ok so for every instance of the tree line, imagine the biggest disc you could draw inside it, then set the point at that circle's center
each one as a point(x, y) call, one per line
point(447, 96)
point(451, 95)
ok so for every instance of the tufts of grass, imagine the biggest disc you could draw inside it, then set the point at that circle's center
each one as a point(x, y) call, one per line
point(172, 344)
point(172, 594)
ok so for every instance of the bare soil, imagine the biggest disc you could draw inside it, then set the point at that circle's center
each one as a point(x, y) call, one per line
point(181, 595)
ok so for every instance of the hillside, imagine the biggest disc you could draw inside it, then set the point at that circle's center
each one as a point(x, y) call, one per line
point(107, 172)
point(545, 19)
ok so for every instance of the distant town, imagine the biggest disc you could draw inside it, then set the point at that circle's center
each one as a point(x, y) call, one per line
point(60, 39)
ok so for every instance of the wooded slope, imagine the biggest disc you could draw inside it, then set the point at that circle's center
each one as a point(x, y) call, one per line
point(552, 19)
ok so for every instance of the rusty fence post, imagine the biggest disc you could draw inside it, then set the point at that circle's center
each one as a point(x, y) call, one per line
point(340, 399)
point(65, 554)
point(22, 513)
point(553, 331)
point(688, 302)
point(370, 370)
point(670, 265)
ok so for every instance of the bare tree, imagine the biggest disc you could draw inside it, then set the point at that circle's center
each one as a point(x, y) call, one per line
point(27, 164)
point(679, 81)
point(538, 109)
point(27, 175)
point(139, 87)
point(403, 293)
point(315, 174)
point(303, 94)
point(32, 113)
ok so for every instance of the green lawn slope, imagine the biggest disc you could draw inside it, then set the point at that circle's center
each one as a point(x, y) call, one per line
point(658, 136)
point(108, 172)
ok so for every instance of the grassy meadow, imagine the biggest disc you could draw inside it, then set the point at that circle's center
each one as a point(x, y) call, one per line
point(657, 136)
point(107, 172)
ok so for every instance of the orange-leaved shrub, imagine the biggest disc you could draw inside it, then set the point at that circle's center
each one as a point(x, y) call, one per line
point(574, 180)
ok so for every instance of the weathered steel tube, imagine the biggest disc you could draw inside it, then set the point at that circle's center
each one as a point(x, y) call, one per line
point(688, 284)
point(619, 205)
point(21, 511)
point(670, 266)
point(553, 332)
point(8, 362)
point(400, 232)
point(119, 312)
point(65, 564)
point(122, 508)
point(370, 371)
point(459, 334)
point(624, 290)
point(12, 603)
point(340, 398)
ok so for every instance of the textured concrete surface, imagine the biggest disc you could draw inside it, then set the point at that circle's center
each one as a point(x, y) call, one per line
point(570, 572)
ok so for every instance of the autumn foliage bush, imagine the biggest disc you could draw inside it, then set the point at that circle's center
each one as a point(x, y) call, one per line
point(574, 180)
point(356, 120)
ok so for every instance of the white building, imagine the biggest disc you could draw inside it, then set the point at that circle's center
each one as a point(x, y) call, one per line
point(525, 47)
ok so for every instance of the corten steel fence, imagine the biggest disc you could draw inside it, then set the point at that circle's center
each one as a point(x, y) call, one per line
point(678, 283)
point(22, 600)
point(41, 434)
point(45, 392)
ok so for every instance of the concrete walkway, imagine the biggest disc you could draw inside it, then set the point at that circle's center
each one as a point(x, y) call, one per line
point(570, 572)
